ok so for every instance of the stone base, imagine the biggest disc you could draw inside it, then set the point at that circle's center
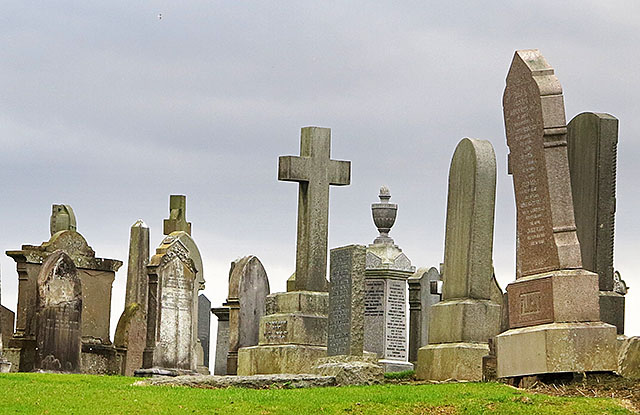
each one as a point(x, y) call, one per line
point(561, 296)
point(629, 358)
point(273, 359)
point(451, 361)
point(464, 320)
point(5, 366)
point(557, 348)
point(350, 370)
point(162, 372)
point(612, 309)
point(394, 365)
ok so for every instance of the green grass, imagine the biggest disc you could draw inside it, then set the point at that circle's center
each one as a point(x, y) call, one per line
point(405, 374)
point(26, 393)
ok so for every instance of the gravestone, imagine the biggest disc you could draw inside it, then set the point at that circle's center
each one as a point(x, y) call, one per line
point(293, 333)
point(131, 332)
point(424, 292)
point(59, 315)
point(385, 298)
point(470, 311)
point(554, 313)
point(204, 332)
point(592, 146)
point(248, 290)
point(222, 340)
point(177, 216)
point(346, 301)
point(174, 276)
point(5, 330)
point(96, 274)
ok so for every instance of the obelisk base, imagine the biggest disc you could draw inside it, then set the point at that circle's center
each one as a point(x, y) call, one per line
point(556, 348)
point(293, 335)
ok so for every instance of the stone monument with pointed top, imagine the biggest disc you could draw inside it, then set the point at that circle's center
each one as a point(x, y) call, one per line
point(592, 146)
point(470, 311)
point(174, 278)
point(131, 331)
point(385, 294)
point(554, 313)
point(293, 333)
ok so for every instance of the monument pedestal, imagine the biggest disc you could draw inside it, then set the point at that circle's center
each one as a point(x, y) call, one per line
point(612, 309)
point(458, 335)
point(293, 335)
point(556, 348)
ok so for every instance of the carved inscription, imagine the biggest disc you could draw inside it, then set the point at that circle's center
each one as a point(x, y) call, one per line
point(339, 335)
point(524, 128)
point(530, 303)
point(396, 321)
point(275, 331)
point(374, 298)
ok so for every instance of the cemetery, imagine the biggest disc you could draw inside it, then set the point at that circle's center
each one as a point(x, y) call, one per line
point(358, 326)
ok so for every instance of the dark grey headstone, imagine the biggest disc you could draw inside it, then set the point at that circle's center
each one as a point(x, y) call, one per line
point(346, 300)
point(59, 299)
point(592, 141)
point(424, 291)
point(222, 340)
point(204, 325)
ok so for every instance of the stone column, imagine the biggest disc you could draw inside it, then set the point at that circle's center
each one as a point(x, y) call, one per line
point(222, 340)
point(387, 270)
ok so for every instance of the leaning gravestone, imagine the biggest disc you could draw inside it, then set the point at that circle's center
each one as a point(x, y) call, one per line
point(424, 292)
point(470, 311)
point(96, 274)
point(293, 333)
point(175, 277)
point(385, 298)
point(59, 315)
point(592, 144)
point(248, 290)
point(131, 332)
point(554, 313)
point(204, 327)
point(346, 301)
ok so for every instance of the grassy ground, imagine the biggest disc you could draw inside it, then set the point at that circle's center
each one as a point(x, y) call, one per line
point(78, 394)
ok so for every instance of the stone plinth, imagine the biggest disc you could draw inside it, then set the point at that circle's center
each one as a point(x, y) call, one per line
point(423, 294)
point(557, 348)
point(451, 361)
point(293, 335)
point(222, 340)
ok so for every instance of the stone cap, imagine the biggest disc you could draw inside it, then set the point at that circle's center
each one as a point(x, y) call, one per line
point(388, 257)
point(73, 244)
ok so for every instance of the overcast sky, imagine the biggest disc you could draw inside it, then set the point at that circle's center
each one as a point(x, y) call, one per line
point(110, 109)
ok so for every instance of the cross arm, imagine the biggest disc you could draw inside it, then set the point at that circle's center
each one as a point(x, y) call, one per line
point(339, 172)
point(293, 168)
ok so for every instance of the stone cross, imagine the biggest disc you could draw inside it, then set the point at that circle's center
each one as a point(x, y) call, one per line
point(177, 215)
point(315, 171)
point(137, 265)
point(536, 131)
point(346, 301)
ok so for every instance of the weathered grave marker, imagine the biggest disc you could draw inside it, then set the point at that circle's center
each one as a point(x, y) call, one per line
point(424, 292)
point(470, 311)
point(222, 340)
point(553, 297)
point(204, 328)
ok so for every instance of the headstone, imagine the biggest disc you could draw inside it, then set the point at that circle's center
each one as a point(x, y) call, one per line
point(59, 315)
point(424, 292)
point(346, 301)
point(130, 338)
point(592, 145)
point(385, 298)
point(248, 290)
point(174, 276)
point(97, 276)
point(553, 297)
point(204, 328)
point(293, 333)
point(222, 340)
point(470, 311)
point(5, 330)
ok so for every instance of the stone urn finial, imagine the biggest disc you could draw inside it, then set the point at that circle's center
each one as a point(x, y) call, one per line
point(384, 216)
